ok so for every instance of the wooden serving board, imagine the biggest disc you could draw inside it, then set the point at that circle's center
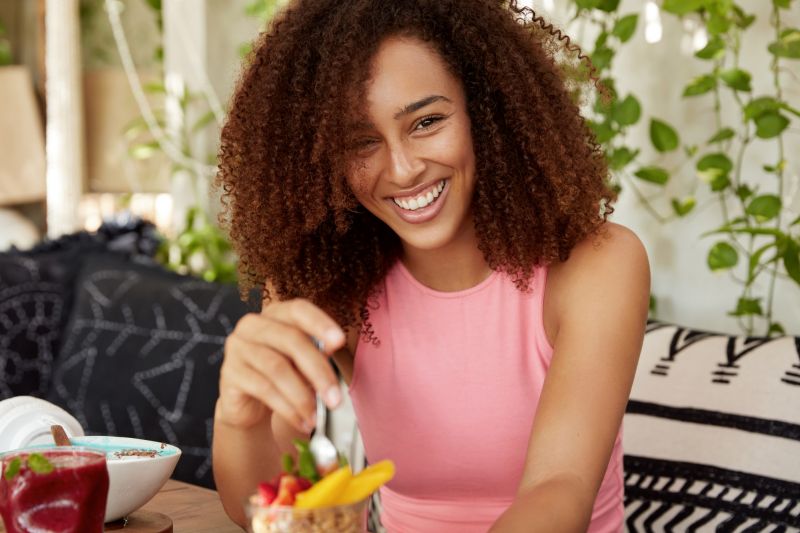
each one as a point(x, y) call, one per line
point(139, 522)
point(142, 521)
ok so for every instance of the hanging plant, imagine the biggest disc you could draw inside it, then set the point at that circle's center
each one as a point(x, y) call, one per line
point(756, 241)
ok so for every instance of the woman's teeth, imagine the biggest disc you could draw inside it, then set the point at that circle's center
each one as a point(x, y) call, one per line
point(423, 200)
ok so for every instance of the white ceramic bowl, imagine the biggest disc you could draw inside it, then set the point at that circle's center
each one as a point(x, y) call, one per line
point(133, 479)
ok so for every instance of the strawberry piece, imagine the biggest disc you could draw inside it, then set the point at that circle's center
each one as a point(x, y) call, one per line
point(266, 494)
point(304, 483)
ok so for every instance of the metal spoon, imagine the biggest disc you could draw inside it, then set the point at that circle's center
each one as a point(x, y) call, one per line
point(326, 457)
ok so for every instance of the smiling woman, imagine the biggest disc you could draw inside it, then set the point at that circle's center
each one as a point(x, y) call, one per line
point(413, 185)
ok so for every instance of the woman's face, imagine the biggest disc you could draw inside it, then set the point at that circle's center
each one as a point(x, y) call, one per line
point(414, 165)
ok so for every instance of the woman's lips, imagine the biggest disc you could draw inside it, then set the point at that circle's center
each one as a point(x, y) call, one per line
point(423, 214)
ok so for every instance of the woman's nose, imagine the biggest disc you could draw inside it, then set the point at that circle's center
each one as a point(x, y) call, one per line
point(404, 166)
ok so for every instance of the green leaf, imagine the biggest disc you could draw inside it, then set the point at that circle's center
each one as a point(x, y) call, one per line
point(744, 192)
point(587, 4)
point(722, 256)
point(244, 50)
point(603, 132)
point(601, 57)
point(287, 462)
point(777, 168)
point(795, 221)
point(720, 182)
point(144, 150)
point(700, 85)
point(627, 111)
point(609, 6)
point(602, 39)
point(770, 124)
point(717, 161)
point(663, 136)
point(155, 87)
point(781, 3)
point(6, 57)
point(683, 207)
point(39, 464)
point(682, 7)
point(722, 135)
point(207, 118)
point(737, 79)
point(791, 260)
point(787, 45)
point(343, 460)
point(620, 157)
point(625, 27)
point(656, 175)
point(758, 106)
point(714, 49)
point(12, 469)
point(653, 305)
point(764, 207)
point(305, 461)
point(742, 19)
point(717, 24)
point(755, 260)
point(748, 306)
point(776, 327)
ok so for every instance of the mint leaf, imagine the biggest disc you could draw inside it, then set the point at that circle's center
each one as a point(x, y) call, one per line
point(288, 463)
point(13, 468)
point(39, 464)
point(306, 467)
point(343, 460)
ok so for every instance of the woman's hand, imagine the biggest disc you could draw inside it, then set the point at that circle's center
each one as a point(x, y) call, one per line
point(271, 364)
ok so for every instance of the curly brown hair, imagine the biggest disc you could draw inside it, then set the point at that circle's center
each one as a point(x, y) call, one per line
point(541, 180)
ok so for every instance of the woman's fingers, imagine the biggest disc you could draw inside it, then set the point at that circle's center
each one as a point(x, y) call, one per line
point(310, 319)
point(246, 379)
point(296, 344)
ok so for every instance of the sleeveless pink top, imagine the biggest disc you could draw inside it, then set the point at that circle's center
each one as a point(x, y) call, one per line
point(449, 395)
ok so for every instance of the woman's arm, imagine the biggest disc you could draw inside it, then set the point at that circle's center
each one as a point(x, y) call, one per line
point(597, 304)
point(268, 380)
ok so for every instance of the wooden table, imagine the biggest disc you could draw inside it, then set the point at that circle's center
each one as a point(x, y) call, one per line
point(192, 509)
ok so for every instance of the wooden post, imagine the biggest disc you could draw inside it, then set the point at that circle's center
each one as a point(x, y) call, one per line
point(64, 133)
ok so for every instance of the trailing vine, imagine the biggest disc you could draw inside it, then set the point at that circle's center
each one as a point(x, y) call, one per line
point(757, 241)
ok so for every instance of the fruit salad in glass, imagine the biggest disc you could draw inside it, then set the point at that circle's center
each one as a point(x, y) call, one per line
point(304, 500)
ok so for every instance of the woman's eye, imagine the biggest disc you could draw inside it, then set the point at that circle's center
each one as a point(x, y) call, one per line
point(427, 122)
point(363, 145)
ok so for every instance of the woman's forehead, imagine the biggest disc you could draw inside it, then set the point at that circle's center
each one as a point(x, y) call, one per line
point(406, 71)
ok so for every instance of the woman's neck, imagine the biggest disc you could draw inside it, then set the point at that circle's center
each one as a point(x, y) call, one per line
point(458, 266)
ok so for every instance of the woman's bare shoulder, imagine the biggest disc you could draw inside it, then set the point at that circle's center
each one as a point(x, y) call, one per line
point(609, 264)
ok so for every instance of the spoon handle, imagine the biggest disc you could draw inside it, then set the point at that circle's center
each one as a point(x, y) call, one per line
point(59, 435)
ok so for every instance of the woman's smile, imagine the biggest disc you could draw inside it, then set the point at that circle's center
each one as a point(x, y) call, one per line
point(423, 204)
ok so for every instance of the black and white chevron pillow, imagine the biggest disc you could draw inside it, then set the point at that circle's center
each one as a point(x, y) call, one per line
point(712, 433)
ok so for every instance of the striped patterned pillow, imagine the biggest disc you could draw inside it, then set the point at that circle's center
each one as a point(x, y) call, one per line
point(712, 433)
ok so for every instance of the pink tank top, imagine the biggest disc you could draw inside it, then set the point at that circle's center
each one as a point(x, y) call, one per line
point(449, 394)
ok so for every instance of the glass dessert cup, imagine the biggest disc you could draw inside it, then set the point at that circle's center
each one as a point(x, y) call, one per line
point(350, 518)
point(59, 490)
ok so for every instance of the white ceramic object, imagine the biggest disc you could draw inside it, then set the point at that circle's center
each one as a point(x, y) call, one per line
point(133, 480)
point(25, 421)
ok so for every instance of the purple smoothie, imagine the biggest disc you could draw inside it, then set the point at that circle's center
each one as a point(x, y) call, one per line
point(69, 499)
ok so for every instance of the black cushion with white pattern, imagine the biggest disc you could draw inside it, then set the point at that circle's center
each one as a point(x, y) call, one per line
point(36, 291)
point(141, 356)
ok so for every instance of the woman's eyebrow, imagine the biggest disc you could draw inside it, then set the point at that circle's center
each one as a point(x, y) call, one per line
point(419, 104)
